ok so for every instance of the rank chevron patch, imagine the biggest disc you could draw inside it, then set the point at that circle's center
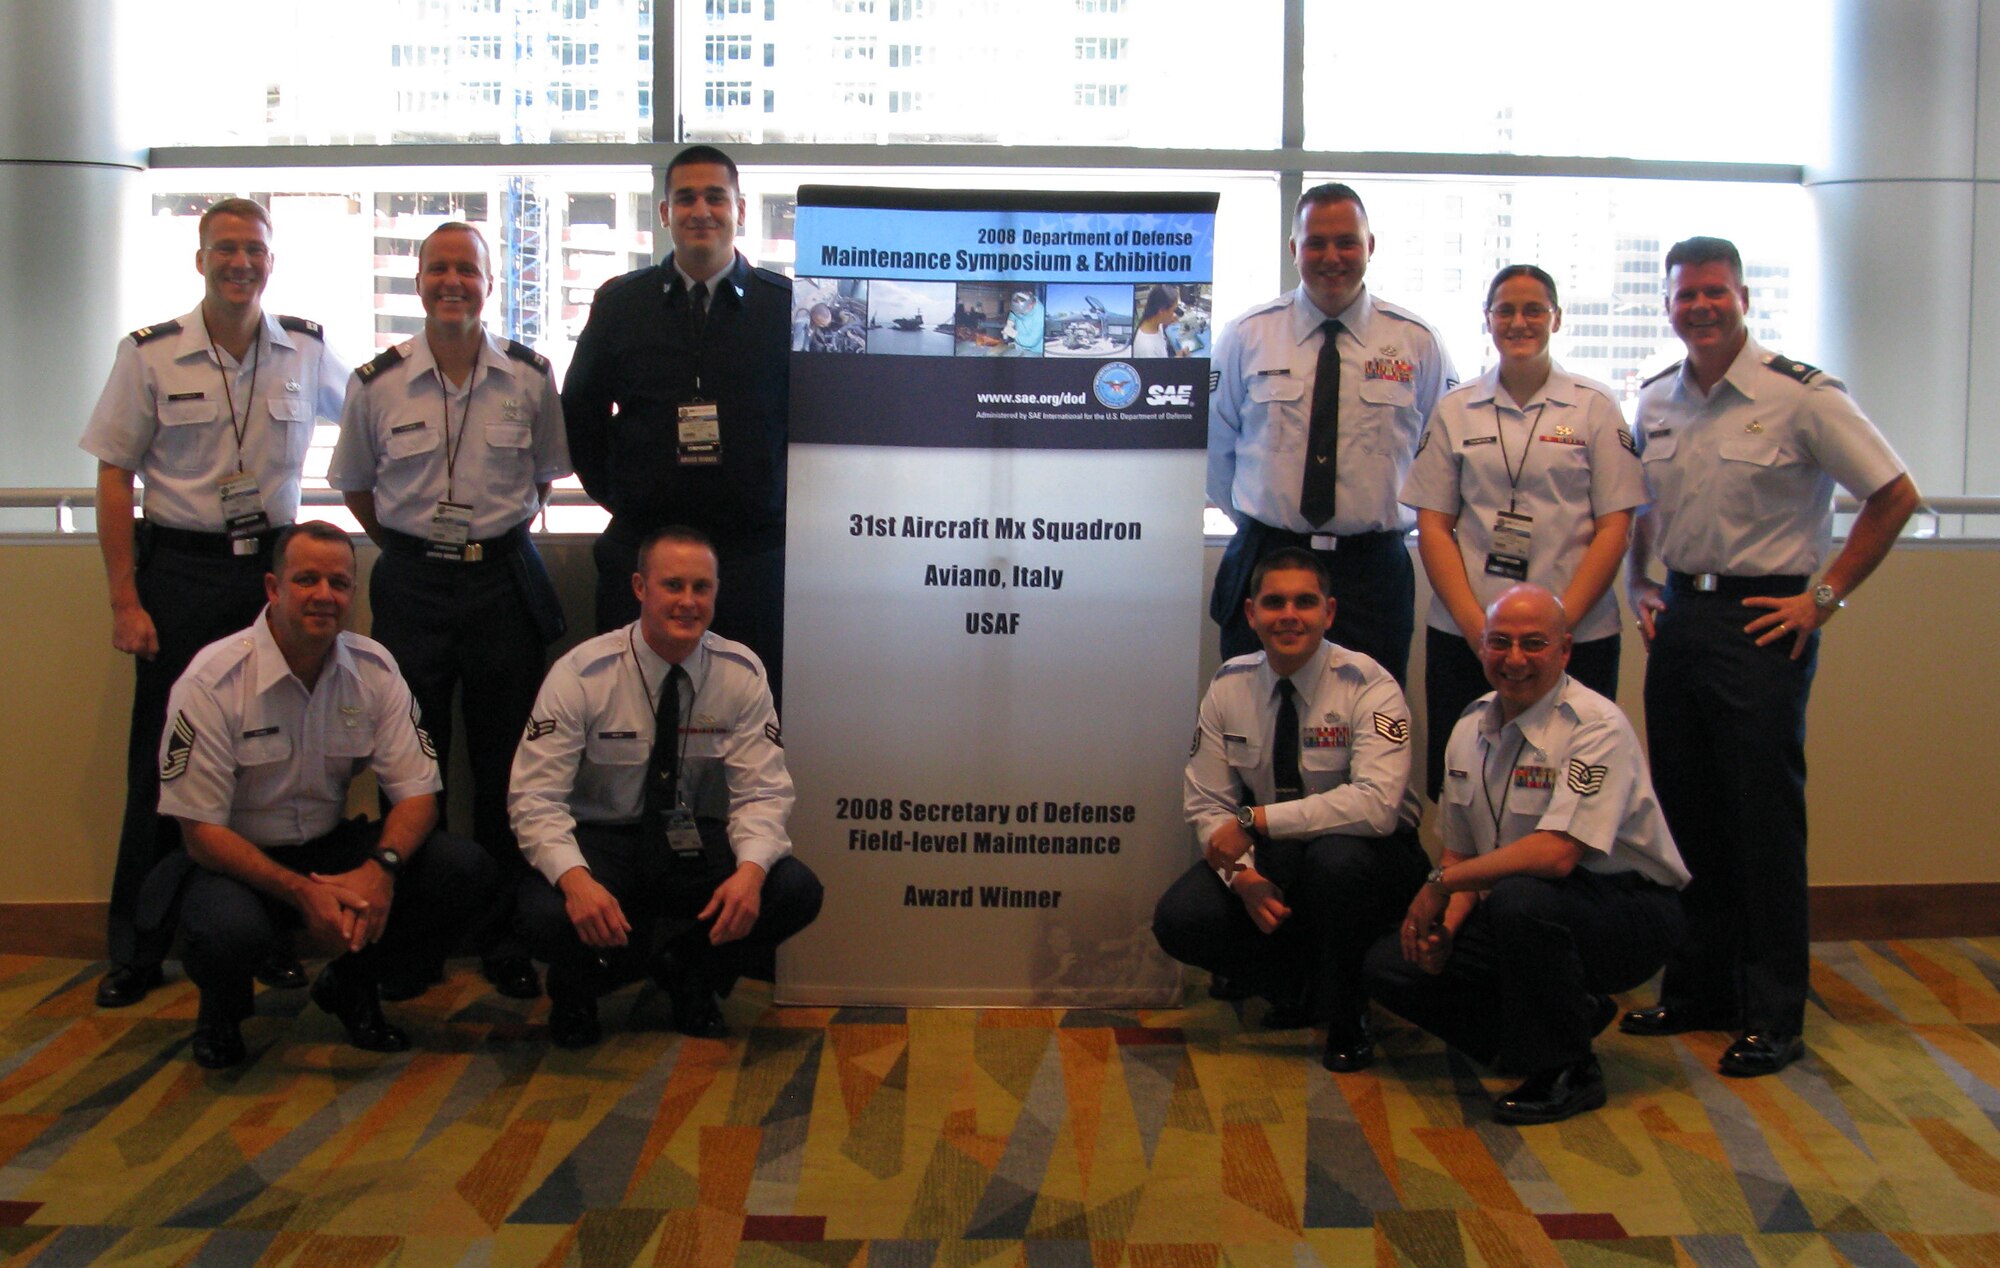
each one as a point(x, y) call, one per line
point(539, 727)
point(1585, 780)
point(1396, 730)
point(424, 740)
point(179, 747)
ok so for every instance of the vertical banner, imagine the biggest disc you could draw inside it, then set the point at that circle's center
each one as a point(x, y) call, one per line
point(993, 589)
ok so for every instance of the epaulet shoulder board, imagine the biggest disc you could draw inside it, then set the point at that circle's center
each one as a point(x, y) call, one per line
point(772, 276)
point(380, 363)
point(1672, 369)
point(299, 325)
point(1792, 369)
point(146, 334)
point(522, 352)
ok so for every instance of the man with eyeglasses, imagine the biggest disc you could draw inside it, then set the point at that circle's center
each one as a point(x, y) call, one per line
point(214, 411)
point(448, 446)
point(1742, 448)
point(1298, 788)
point(1557, 882)
point(1319, 397)
point(677, 402)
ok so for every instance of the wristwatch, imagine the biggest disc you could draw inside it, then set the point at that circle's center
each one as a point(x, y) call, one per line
point(1246, 818)
point(391, 860)
point(1436, 877)
point(1825, 599)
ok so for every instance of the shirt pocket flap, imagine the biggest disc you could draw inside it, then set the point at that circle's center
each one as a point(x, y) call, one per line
point(613, 747)
point(1242, 752)
point(1267, 388)
point(508, 435)
point(1387, 392)
point(288, 409)
point(405, 444)
point(181, 413)
point(1660, 445)
point(1760, 448)
point(1325, 757)
point(263, 749)
point(354, 737)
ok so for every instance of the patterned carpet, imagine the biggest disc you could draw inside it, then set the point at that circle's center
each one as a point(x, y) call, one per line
point(886, 1137)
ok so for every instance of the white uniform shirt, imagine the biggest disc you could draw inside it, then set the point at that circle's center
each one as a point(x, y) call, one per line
point(1354, 749)
point(405, 425)
point(589, 744)
point(1743, 478)
point(164, 414)
point(1571, 763)
point(1393, 370)
point(1574, 459)
point(248, 747)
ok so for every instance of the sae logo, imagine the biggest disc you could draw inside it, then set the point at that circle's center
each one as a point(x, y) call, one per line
point(1116, 385)
point(1170, 394)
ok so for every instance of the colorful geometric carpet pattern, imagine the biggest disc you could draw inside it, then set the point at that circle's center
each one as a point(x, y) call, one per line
point(974, 1137)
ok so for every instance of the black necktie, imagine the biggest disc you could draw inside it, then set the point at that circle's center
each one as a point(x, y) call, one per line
point(698, 309)
point(1285, 746)
point(663, 769)
point(1323, 434)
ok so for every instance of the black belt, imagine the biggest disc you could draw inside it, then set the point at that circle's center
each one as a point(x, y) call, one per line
point(1377, 539)
point(1734, 587)
point(485, 550)
point(188, 541)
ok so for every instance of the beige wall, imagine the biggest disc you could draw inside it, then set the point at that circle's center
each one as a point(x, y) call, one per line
point(1897, 741)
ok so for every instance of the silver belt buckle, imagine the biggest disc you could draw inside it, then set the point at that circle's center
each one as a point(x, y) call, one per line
point(242, 545)
point(1706, 582)
point(1325, 541)
point(474, 552)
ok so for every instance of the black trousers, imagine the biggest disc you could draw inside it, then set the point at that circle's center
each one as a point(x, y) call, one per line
point(749, 594)
point(195, 597)
point(1454, 678)
point(462, 629)
point(1515, 993)
point(228, 928)
point(1374, 588)
point(660, 899)
point(1726, 727)
point(1343, 892)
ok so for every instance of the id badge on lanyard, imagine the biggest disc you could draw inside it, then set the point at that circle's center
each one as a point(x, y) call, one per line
point(683, 838)
point(451, 532)
point(1512, 535)
point(243, 513)
point(699, 438)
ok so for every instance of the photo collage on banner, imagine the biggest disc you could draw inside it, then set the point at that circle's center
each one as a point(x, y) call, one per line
point(993, 589)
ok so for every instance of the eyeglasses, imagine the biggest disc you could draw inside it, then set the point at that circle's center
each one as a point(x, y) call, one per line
point(1530, 644)
point(1527, 312)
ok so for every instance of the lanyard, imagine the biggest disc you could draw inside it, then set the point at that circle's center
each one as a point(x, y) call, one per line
point(451, 451)
point(250, 398)
point(1514, 473)
point(1506, 788)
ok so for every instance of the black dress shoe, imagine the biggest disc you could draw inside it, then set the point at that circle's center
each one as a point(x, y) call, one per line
point(1553, 1095)
point(1670, 1019)
point(1227, 989)
point(360, 1011)
point(1760, 1053)
point(124, 985)
point(218, 1036)
point(573, 1024)
point(696, 1013)
point(1348, 1049)
point(513, 976)
point(1602, 1009)
point(409, 982)
point(281, 971)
